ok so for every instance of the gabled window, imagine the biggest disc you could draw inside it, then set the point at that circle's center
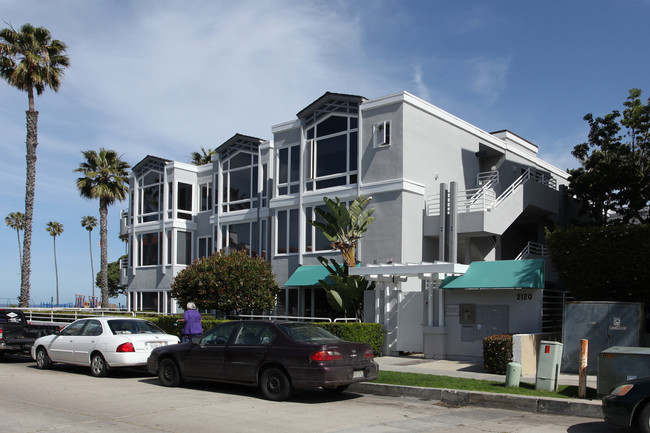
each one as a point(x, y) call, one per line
point(150, 188)
point(240, 182)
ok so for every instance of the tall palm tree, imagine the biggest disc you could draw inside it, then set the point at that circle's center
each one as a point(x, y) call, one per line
point(89, 223)
point(16, 220)
point(55, 229)
point(105, 177)
point(31, 60)
point(204, 157)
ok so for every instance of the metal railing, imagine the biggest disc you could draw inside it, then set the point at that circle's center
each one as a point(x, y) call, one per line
point(533, 249)
point(69, 315)
point(296, 318)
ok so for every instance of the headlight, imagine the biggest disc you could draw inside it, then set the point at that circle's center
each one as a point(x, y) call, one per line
point(621, 390)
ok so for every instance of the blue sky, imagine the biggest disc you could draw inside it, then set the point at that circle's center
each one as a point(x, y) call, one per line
point(167, 77)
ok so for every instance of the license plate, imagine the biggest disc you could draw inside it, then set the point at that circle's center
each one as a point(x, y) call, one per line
point(357, 374)
point(154, 344)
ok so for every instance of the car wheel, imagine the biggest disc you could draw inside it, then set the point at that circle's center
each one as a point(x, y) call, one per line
point(98, 365)
point(336, 389)
point(43, 359)
point(644, 419)
point(275, 385)
point(168, 373)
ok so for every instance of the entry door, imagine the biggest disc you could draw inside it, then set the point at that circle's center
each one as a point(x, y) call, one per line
point(410, 320)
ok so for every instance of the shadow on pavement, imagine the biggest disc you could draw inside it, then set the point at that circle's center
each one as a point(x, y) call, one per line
point(597, 427)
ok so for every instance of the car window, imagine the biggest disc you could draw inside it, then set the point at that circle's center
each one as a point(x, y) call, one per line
point(130, 326)
point(254, 333)
point(306, 333)
point(220, 334)
point(74, 328)
point(93, 328)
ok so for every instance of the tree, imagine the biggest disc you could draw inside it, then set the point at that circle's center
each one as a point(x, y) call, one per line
point(204, 157)
point(344, 226)
point(16, 220)
point(231, 282)
point(105, 177)
point(55, 229)
point(346, 294)
point(30, 60)
point(615, 163)
point(89, 223)
point(115, 289)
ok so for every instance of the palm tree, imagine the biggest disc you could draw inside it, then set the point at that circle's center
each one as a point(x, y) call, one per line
point(55, 229)
point(31, 60)
point(105, 177)
point(16, 220)
point(205, 157)
point(89, 223)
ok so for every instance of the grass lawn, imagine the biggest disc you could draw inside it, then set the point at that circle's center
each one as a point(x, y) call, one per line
point(446, 382)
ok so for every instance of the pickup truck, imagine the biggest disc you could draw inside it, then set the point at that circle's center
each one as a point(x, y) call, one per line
point(17, 334)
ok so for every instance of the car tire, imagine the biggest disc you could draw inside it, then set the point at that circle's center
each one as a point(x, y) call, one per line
point(43, 360)
point(275, 385)
point(336, 389)
point(98, 365)
point(168, 373)
point(644, 419)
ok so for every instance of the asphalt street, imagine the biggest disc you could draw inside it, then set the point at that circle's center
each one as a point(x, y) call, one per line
point(67, 399)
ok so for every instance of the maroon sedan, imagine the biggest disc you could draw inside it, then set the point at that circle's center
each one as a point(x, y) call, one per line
point(276, 356)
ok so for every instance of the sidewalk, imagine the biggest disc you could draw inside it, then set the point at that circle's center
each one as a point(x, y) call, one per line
point(415, 364)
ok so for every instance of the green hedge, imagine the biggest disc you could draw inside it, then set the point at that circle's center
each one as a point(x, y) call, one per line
point(497, 353)
point(369, 333)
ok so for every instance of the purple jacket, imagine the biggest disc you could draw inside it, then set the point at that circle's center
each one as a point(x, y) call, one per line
point(192, 322)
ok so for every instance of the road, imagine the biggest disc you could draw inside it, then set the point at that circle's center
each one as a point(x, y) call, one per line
point(67, 399)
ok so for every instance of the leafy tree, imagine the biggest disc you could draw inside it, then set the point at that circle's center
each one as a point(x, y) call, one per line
point(344, 226)
point(204, 157)
point(233, 282)
point(30, 60)
point(105, 178)
point(615, 163)
point(115, 289)
point(89, 223)
point(55, 229)
point(346, 294)
point(16, 220)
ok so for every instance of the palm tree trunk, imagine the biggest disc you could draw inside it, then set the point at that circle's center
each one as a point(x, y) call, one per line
point(92, 266)
point(20, 254)
point(30, 187)
point(103, 234)
point(56, 273)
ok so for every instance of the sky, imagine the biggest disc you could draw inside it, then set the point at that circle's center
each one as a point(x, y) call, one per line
point(165, 78)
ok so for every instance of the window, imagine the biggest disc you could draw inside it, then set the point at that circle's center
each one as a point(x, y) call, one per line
point(247, 237)
point(219, 334)
point(183, 248)
point(314, 238)
point(240, 182)
point(205, 247)
point(184, 205)
point(150, 197)
point(206, 196)
point(287, 221)
point(289, 170)
point(92, 329)
point(332, 152)
point(381, 134)
point(149, 249)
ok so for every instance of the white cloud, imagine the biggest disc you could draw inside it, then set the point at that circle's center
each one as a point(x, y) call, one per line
point(488, 76)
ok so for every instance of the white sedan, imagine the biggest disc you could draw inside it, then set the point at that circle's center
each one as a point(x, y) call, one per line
point(101, 343)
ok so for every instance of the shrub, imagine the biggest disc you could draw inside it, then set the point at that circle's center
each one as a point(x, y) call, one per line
point(497, 353)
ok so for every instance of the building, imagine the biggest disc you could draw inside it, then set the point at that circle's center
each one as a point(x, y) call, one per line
point(258, 195)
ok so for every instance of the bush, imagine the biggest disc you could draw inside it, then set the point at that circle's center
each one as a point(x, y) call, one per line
point(497, 353)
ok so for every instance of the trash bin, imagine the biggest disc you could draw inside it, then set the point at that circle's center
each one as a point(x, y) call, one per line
point(513, 374)
point(549, 359)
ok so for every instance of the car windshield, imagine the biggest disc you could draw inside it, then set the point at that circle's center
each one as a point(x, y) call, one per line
point(125, 326)
point(306, 333)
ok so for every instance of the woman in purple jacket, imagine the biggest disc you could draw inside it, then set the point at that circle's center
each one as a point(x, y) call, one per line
point(192, 320)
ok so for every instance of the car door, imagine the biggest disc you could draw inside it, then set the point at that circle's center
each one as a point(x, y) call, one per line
point(85, 343)
point(243, 357)
point(205, 359)
point(61, 348)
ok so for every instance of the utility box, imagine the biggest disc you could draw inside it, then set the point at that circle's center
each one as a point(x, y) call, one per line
point(618, 364)
point(604, 324)
point(549, 359)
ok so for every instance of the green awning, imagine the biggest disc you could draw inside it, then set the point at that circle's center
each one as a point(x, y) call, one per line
point(502, 274)
point(308, 276)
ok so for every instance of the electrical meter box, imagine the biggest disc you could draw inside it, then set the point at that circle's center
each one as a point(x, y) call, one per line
point(618, 364)
point(549, 358)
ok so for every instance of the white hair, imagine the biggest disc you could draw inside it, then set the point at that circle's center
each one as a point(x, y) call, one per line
point(191, 306)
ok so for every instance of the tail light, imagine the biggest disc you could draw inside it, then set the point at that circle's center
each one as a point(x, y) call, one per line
point(1, 335)
point(326, 355)
point(369, 354)
point(125, 347)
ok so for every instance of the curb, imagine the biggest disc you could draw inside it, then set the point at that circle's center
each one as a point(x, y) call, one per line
point(455, 397)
